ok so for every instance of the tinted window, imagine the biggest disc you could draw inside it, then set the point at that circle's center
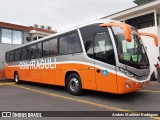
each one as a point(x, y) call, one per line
point(33, 51)
point(7, 57)
point(103, 48)
point(39, 50)
point(97, 43)
point(46, 48)
point(17, 54)
point(50, 47)
point(87, 36)
point(77, 45)
point(53, 47)
point(10, 56)
point(74, 44)
point(63, 45)
point(25, 53)
point(144, 21)
point(70, 44)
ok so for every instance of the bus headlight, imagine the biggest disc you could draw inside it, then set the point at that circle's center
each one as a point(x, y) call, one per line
point(128, 86)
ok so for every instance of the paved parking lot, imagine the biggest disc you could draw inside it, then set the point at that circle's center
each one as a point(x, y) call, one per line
point(39, 97)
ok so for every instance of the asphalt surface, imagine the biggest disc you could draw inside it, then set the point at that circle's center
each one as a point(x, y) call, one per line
point(39, 97)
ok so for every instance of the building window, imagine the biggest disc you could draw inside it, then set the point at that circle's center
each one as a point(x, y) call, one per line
point(37, 37)
point(11, 36)
point(141, 22)
point(158, 19)
point(6, 36)
point(17, 37)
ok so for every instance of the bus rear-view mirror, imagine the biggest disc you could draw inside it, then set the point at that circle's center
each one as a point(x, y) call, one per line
point(125, 27)
point(151, 35)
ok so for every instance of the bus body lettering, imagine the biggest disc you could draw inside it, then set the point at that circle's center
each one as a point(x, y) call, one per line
point(38, 64)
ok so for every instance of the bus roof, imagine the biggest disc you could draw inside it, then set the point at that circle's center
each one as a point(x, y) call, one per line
point(64, 31)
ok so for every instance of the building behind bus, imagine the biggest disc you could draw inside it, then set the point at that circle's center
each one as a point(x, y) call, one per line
point(13, 35)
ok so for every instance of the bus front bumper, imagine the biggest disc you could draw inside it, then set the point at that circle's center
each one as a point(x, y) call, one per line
point(132, 86)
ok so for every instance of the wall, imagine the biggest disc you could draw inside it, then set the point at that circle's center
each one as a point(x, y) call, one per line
point(158, 28)
point(152, 51)
point(158, 32)
point(26, 34)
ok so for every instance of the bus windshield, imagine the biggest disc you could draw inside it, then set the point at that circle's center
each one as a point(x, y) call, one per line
point(131, 53)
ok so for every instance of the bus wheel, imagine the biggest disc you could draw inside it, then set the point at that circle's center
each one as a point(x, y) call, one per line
point(74, 85)
point(16, 78)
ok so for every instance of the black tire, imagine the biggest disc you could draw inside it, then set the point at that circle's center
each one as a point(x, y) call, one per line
point(74, 84)
point(16, 78)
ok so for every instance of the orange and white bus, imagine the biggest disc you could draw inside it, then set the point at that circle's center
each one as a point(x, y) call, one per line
point(106, 56)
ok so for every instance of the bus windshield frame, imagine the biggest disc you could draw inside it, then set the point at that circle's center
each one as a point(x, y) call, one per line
point(130, 53)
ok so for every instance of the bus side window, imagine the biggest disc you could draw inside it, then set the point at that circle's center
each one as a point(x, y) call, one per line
point(10, 56)
point(103, 48)
point(45, 48)
point(50, 47)
point(39, 50)
point(33, 51)
point(63, 45)
point(53, 47)
point(87, 36)
point(17, 54)
point(74, 45)
point(77, 46)
point(7, 57)
point(25, 53)
point(70, 44)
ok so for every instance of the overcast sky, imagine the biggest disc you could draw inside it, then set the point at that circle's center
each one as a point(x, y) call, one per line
point(60, 14)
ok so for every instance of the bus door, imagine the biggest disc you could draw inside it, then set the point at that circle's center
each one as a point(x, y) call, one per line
point(105, 69)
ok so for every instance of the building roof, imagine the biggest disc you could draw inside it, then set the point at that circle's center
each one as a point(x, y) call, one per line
point(25, 28)
point(141, 2)
point(134, 10)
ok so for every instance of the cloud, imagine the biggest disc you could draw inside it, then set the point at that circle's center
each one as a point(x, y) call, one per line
point(59, 14)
